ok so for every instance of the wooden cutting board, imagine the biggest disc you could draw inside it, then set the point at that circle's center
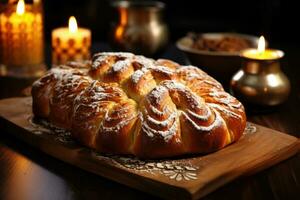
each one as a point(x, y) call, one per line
point(188, 177)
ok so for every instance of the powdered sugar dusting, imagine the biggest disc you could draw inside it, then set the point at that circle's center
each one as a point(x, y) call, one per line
point(201, 117)
point(96, 97)
point(163, 122)
point(190, 67)
point(225, 99)
point(191, 73)
point(101, 58)
point(165, 134)
point(68, 82)
point(192, 76)
point(224, 110)
point(98, 61)
point(212, 83)
point(122, 123)
point(121, 65)
point(118, 54)
point(156, 94)
point(217, 123)
point(162, 69)
point(145, 62)
point(137, 75)
point(158, 112)
point(174, 85)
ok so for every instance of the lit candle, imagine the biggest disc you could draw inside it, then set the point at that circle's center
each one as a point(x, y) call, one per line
point(260, 81)
point(21, 36)
point(261, 53)
point(70, 44)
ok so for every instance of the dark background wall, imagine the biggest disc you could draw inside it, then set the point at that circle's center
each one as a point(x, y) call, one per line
point(246, 16)
point(276, 19)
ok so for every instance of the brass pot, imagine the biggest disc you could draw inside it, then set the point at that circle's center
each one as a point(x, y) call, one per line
point(260, 82)
point(140, 28)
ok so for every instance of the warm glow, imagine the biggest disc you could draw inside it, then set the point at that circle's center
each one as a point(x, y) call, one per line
point(238, 75)
point(124, 16)
point(20, 7)
point(119, 32)
point(273, 80)
point(261, 53)
point(72, 25)
point(261, 45)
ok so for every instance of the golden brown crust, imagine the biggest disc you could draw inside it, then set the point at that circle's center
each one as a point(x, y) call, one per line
point(127, 104)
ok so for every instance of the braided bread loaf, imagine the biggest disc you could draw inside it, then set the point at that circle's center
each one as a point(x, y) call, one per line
point(126, 104)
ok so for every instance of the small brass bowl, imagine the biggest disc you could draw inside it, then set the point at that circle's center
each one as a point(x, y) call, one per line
point(219, 64)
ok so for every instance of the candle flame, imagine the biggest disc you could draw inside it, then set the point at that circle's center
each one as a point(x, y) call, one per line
point(261, 45)
point(72, 25)
point(20, 7)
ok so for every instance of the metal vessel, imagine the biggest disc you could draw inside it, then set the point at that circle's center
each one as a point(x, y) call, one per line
point(261, 82)
point(140, 28)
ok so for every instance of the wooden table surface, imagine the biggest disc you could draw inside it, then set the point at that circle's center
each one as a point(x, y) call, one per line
point(26, 173)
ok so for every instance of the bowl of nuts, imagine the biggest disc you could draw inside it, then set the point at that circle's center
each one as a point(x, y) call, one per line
point(218, 54)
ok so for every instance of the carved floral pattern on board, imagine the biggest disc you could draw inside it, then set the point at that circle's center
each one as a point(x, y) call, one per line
point(178, 170)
